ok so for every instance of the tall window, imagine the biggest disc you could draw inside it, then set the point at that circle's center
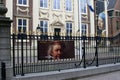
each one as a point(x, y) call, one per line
point(69, 28)
point(110, 13)
point(68, 5)
point(22, 25)
point(44, 26)
point(83, 6)
point(117, 25)
point(44, 3)
point(84, 29)
point(23, 2)
point(56, 4)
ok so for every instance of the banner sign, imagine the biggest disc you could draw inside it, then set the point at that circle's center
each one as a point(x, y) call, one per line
point(55, 50)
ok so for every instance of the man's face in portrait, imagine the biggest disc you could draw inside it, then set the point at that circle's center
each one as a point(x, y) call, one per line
point(56, 51)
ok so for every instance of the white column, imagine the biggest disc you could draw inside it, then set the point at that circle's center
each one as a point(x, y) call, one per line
point(106, 17)
point(79, 26)
point(36, 5)
point(9, 5)
point(76, 16)
point(92, 21)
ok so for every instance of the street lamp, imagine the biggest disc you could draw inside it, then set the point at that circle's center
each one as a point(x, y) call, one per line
point(38, 30)
point(3, 9)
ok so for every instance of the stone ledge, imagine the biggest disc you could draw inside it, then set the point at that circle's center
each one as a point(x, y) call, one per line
point(70, 73)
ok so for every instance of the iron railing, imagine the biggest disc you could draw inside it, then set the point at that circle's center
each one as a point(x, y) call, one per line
point(88, 51)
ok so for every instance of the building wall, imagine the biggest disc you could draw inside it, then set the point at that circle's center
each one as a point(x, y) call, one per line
point(16, 11)
point(113, 19)
point(117, 18)
point(56, 19)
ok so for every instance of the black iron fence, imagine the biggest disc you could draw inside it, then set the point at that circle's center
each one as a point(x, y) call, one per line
point(88, 51)
point(3, 71)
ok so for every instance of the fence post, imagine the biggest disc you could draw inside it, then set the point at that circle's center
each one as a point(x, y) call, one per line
point(13, 39)
point(3, 71)
point(84, 61)
point(5, 43)
point(96, 50)
point(22, 57)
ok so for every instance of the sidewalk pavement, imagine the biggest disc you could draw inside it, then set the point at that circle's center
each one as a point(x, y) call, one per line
point(105, 76)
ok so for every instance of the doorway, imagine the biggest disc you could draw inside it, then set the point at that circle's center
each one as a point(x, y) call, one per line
point(57, 33)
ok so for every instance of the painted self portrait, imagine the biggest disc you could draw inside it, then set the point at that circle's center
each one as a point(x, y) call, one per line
point(101, 25)
point(54, 50)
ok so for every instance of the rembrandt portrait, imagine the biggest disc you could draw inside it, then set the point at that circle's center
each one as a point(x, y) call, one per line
point(53, 50)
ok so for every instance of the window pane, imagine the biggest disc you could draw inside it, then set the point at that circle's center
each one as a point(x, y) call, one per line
point(67, 25)
point(84, 29)
point(24, 22)
point(19, 29)
point(70, 25)
point(85, 26)
point(117, 25)
point(83, 6)
point(42, 30)
point(41, 23)
point(43, 26)
point(41, 3)
point(22, 25)
point(24, 2)
point(68, 5)
point(56, 4)
point(45, 3)
point(24, 29)
point(19, 21)
point(68, 28)
point(67, 31)
point(20, 1)
point(45, 30)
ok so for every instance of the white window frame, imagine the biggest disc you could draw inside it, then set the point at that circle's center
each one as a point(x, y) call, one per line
point(22, 23)
point(27, 3)
point(83, 5)
point(68, 4)
point(43, 27)
point(69, 28)
point(56, 6)
point(19, 40)
point(45, 4)
point(84, 29)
